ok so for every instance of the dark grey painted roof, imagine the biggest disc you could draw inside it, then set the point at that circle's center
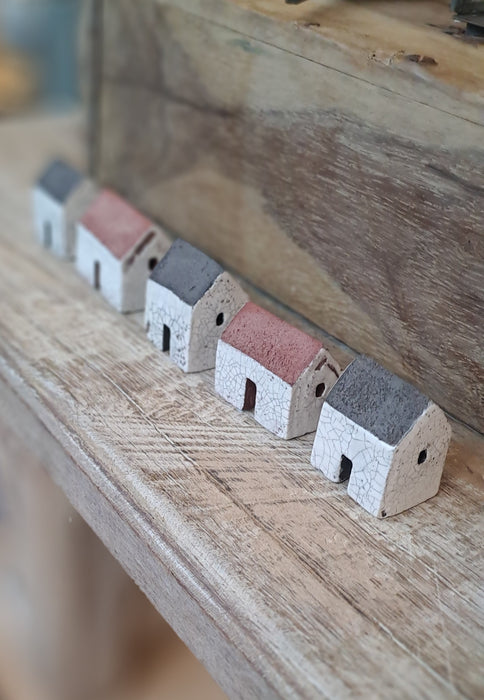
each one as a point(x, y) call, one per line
point(186, 271)
point(377, 400)
point(59, 180)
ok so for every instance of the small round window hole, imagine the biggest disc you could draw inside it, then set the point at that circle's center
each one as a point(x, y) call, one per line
point(422, 457)
point(220, 319)
point(320, 389)
point(152, 263)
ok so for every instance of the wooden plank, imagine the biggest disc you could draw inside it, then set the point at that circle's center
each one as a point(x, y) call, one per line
point(279, 583)
point(301, 146)
point(71, 620)
point(72, 623)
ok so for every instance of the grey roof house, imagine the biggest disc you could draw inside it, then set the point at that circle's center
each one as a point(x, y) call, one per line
point(384, 435)
point(60, 197)
point(190, 299)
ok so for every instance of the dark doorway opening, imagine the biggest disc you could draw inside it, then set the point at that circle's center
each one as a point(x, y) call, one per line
point(345, 467)
point(47, 234)
point(97, 275)
point(250, 394)
point(166, 338)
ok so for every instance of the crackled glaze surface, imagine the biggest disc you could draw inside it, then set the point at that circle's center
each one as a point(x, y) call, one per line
point(384, 479)
point(336, 436)
point(284, 409)
point(163, 307)
point(273, 397)
point(194, 330)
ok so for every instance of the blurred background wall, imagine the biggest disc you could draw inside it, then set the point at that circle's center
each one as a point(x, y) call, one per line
point(38, 53)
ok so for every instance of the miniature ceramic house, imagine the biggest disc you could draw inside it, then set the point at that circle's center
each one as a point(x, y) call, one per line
point(60, 197)
point(266, 365)
point(117, 248)
point(385, 436)
point(190, 300)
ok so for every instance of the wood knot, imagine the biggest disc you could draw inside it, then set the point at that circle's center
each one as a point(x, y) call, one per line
point(419, 58)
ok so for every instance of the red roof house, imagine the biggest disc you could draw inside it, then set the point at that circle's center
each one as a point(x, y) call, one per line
point(117, 248)
point(281, 373)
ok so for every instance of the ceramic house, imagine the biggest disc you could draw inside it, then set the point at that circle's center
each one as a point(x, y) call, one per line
point(267, 366)
point(190, 300)
point(117, 248)
point(385, 436)
point(60, 197)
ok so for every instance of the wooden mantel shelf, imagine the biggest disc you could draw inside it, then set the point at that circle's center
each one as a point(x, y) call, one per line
point(276, 580)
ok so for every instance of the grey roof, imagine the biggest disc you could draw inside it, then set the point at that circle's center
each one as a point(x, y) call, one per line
point(59, 180)
point(377, 400)
point(186, 271)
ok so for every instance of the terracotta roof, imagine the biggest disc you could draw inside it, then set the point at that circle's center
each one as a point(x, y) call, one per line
point(115, 223)
point(187, 272)
point(377, 400)
point(279, 347)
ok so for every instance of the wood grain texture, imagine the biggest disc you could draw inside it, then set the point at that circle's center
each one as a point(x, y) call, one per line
point(72, 623)
point(307, 148)
point(279, 583)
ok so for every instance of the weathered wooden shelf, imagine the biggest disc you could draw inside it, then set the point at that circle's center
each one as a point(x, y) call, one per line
point(276, 580)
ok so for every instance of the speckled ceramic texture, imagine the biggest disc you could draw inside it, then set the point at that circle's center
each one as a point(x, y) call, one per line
point(287, 410)
point(122, 282)
point(61, 217)
point(385, 479)
point(194, 331)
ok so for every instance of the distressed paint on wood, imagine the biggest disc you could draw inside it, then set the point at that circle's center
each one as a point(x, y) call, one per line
point(279, 583)
point(360, 175)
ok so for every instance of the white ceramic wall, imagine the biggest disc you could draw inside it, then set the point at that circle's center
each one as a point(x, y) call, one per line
point(88, 251)
point(165, 308)
point(273, 398)
point(49, 210)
